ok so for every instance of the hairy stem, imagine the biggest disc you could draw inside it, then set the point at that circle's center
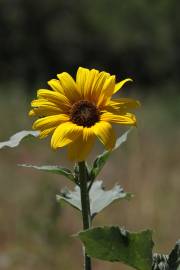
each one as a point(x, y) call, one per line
point(86, 213)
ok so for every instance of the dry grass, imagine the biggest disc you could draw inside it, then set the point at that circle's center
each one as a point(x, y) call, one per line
point(35, 231)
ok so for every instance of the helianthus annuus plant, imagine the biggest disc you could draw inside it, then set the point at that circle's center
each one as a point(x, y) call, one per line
point(77, 111)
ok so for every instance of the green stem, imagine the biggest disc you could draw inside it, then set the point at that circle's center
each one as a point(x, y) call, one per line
point(86, 213)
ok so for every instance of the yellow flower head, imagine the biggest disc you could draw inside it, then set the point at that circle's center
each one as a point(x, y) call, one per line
point(76, 111)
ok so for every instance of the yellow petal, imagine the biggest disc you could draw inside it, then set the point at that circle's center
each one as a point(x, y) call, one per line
point(120, 84)
point(44, 111)
point(32, 113)
point(105, 133)
point(88, 88)
point(50, 121)
point(44, 133)
point(56, 86)
point(85, 79)
point(91, 82)
point(65, 134)
point(124, 119)
point(107, 91)
point(42, 107)
point(98, 85)
point(122, 104)
point(55, 97)
point(81, 147)
point(43, 102)
point(69, 86)
point(81, 78)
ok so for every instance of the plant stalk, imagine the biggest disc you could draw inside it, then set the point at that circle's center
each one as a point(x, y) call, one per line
point(85, 203)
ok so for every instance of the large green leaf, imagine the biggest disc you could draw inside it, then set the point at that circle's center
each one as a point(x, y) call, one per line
point(52, 169)
point(15, 139)
point(99, 197)
point(116, 244)
point(101, 159)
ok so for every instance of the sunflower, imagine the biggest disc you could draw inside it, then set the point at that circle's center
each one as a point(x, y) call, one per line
point(77, 111)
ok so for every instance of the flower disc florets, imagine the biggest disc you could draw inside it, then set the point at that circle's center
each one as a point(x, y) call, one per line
point(84, 113)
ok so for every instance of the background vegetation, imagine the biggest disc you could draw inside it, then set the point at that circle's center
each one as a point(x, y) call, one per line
point(134, 38)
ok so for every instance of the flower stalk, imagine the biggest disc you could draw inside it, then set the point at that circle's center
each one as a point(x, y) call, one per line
point(85, 203)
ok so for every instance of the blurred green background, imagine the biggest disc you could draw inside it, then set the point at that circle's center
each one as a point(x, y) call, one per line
point(138, 39)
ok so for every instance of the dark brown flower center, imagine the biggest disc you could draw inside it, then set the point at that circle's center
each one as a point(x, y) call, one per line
point(84, 113)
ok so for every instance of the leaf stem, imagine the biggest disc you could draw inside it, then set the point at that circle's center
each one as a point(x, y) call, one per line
point(86, 213)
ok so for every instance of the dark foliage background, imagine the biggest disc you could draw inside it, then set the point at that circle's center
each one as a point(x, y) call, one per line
point(136, 38)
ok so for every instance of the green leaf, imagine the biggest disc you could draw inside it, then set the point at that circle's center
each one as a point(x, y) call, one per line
point(99, 197)
point(122, 139)
point(15, 139)
point(52, 169)
point(99, 164)
point(116, 244)
point(70, 197)
point(101, 159)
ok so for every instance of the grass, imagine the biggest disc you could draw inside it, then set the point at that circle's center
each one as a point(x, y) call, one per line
point(35, 232)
